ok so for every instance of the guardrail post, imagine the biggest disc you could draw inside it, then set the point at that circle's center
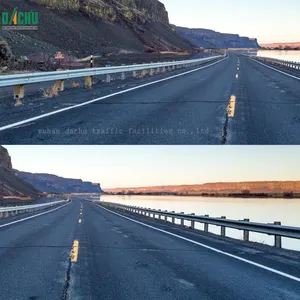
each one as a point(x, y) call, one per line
point(166, 217)
point(88, 82)
point(206, 225)
point(173, 218)
point(223, 228)
point(277, 238)
point(246, 232)
point(1, 215)
point(151, 72)
point(159, 215)
point(182, 220)
point(108, 78)
point(18, 94)
point(60, 85)
point(193, 222)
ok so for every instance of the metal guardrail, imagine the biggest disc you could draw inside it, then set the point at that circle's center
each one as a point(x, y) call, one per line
point(22, 79)
point(13, 210)
point(275, 229)
point(278, 62)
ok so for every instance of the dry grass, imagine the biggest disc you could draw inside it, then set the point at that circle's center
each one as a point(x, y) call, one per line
point(75, 84)
point(52, 92)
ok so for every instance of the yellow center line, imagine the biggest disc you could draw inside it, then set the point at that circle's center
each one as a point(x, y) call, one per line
point(79, 221)
point(237, 76)
point(231, 106)
point(74, 252)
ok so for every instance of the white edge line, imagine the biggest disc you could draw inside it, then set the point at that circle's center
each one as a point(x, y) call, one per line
point(295, 77)
point(104, 97)
point(34, 216)
point(208, 247)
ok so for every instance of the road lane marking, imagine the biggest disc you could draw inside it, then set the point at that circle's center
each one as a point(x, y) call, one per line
point(74, 252)
point(231, 107)
point(250, 262)
point(276, 70)
point(31, 217)
point(81, 213)
point(104, 97)
point(79, 221)
point(237, 76)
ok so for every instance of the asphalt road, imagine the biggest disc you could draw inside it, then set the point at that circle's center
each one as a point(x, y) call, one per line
point(118, 258)
point(190, 109)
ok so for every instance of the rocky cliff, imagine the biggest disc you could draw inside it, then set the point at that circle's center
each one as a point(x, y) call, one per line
point(85, 27)
point(54, 184)
point(10, 183)
point(211, 39)
point(220, 188)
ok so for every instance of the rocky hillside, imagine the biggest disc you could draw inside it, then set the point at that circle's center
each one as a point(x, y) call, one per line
point(10, 183)
point(211, 39)
point(54, 184)
point(271, 187)
point(85, 27)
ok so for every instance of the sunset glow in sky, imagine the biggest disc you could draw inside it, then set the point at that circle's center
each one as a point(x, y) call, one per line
point(131, 166)
point(267, 20)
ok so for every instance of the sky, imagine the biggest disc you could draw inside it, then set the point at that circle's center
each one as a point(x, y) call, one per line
point(267, 20)
point(131, 166)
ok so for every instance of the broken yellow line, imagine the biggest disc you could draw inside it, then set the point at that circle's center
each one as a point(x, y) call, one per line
point(231, 106)
point(79, 221)
point(74, 252)
point(237, 76)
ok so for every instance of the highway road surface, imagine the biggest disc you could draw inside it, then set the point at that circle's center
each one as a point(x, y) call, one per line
point(83, 251)
point(234, 101)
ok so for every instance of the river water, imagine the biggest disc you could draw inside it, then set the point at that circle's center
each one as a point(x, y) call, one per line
point(281, 54)
point(265, 210)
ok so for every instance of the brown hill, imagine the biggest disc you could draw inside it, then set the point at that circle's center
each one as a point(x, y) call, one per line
point(10, 183)
point(219, 188)
point(281, 45)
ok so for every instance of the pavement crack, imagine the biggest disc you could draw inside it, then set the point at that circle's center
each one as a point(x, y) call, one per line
point(66, 293)
point(225, 130)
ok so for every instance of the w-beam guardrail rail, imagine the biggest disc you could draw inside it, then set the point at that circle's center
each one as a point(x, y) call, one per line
point(278, 62)
point(20, 80)
point(275, 229)
point(14, 210)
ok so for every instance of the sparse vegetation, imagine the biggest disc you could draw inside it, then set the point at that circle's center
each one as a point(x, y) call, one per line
point(61, 4)
point(5, 53)
point(52, 92)
point(288, 195)
point(75, 84)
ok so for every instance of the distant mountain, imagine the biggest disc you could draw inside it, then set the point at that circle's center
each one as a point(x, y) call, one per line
point(207, 38)
point(54, 184)
point(220, 188)
point(10, 183)
point(294, 45)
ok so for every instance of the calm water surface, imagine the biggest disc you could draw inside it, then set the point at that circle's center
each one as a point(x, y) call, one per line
point(257, 210)
point(281, 54)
